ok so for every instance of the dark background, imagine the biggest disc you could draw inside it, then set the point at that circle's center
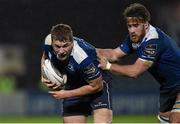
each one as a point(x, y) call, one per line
point(27, 22)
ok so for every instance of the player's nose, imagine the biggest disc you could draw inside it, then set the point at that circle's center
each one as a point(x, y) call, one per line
point(61, 51)
point(132, 30)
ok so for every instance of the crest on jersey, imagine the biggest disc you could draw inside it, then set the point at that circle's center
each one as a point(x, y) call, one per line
point(90, 69)
point(71, 67)
point(150, 50)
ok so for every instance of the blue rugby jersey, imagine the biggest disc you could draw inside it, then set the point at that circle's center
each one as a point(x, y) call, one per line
point(163, 51)
point(81, 66)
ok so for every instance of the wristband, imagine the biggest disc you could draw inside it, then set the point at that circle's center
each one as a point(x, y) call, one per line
point(108, 65)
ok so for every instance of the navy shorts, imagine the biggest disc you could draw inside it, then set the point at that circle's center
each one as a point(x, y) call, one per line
point(167, 99)
point(86, 104)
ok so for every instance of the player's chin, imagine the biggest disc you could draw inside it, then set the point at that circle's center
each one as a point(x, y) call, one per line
point(134, 39)
point(62, 58)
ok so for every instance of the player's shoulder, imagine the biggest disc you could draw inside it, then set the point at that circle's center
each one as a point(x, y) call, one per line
point(152, 34)
point(153, 38)
point(48, 40)
point(78, 53)
point(82, 50)
point(84, 44)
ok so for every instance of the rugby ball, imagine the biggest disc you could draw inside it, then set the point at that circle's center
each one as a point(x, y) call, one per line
point(53, 74)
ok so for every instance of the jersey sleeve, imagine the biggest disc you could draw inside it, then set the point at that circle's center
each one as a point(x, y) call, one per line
point(125, 46)
point(89, 69)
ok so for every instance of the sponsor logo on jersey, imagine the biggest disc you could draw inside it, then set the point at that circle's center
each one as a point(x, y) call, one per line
point(150, 49)
point(90, 69)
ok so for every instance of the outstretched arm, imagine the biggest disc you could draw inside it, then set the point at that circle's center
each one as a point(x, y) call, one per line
point(111, 54)
point(133, 70)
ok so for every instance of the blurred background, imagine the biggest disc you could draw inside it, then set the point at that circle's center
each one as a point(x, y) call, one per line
point(25, 23)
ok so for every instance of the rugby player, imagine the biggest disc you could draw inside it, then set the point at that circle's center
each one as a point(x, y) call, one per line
point(156, 51)
point(88, 88)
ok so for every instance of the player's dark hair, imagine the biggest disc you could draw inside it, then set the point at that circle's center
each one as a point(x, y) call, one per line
point(62, 32)
point(137, 10)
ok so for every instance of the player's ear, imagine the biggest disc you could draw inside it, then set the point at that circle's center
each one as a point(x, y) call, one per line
point(146, 24)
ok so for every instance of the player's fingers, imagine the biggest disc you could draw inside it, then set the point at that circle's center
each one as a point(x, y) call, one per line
point(57, 87)
point(51, 92)
point(103, 60)
point(46, 80)
point(54, 94)
point(98, 58)
point(51, 85)
point(43, 80)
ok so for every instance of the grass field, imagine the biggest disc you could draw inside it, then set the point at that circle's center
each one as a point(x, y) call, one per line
point(56, 119)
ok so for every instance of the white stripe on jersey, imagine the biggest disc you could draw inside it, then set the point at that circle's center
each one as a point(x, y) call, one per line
point(144, 60)
point(48, 40)
point(109, 103)
point(78, 53)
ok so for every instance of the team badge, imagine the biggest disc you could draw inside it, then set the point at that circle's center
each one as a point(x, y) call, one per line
point(71, 67)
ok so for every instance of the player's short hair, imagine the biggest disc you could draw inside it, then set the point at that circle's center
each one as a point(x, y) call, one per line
point(137, 10)
point(62, 32)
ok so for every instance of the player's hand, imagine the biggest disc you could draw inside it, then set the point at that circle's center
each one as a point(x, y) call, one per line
point(50, 84)
point(59, 94)
point(44, 80)
point(99, 56)
point(104, 64)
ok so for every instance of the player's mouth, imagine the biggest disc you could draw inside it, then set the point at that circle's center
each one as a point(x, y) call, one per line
point(133, 37)
point(62, 57)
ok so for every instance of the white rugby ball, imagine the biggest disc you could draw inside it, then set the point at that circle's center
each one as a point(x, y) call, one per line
point(54, 75)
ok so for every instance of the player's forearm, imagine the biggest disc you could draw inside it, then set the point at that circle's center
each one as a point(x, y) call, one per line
point(84, 90)
point(126, 70)
point(107, 53)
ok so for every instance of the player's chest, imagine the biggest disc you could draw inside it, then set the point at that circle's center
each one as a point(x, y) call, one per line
point(71, 69)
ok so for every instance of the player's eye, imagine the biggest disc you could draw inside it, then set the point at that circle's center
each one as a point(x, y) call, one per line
point(136, 25)
point(56, 46)
point(129, 26)
point(66, 45)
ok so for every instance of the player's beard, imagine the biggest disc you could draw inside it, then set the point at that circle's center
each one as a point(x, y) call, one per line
point(62, 57)
point(137, 38)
